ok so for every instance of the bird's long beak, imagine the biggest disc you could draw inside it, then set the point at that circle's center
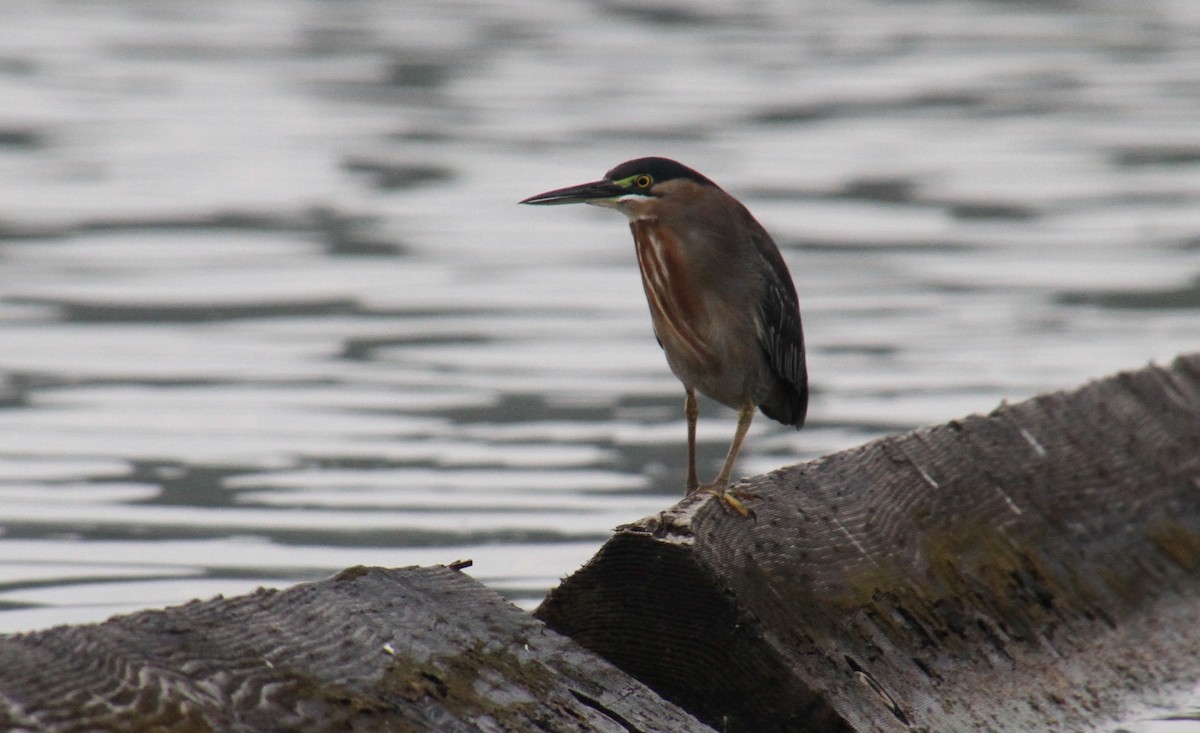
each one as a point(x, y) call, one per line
point(584, 193)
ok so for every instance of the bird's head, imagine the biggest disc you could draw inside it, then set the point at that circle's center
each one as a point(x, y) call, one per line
point(628, 187)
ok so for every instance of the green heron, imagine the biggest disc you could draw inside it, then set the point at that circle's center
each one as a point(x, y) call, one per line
point(721, 299)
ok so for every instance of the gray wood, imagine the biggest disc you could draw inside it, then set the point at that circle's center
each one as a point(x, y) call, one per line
point(410, 650)
point(1035, 569)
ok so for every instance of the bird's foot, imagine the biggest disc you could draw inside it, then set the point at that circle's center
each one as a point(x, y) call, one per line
point(730, 498)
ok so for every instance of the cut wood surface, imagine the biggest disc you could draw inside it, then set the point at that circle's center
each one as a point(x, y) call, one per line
point(1035, 569)
point(410, 650)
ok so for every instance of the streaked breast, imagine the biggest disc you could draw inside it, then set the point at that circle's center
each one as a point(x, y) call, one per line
point(679, 316)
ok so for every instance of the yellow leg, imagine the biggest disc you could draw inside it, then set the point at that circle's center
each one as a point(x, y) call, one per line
point(745, 415)
point(691, 411)
point(720, 487)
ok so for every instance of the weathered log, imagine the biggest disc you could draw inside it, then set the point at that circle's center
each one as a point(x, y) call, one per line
point(418, 649)
point(1036, 569)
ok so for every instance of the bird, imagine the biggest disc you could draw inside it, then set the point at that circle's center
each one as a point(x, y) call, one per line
point(722, 301)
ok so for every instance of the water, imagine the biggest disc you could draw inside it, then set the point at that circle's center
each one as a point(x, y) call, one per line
point(268, 307)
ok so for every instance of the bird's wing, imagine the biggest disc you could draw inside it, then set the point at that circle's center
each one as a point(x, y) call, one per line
point(782, 336)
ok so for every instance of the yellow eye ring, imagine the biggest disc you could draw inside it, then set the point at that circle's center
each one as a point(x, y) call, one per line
point(643, 181)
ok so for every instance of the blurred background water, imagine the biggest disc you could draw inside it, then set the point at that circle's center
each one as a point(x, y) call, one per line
point(268, 307)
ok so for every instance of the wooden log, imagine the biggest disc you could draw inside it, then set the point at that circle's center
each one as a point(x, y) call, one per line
point(411, 650)
point(1035, 569)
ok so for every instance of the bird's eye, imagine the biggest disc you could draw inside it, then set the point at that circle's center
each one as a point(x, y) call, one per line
point(643, 181)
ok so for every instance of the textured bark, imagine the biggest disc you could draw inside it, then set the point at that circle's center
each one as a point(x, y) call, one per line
point(411, 650)
point(1036, 569)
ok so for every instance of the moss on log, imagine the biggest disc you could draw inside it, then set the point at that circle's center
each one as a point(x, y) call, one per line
point(1035, 569)
point(410, 650)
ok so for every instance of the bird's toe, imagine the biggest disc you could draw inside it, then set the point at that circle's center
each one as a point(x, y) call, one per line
point(731, 498)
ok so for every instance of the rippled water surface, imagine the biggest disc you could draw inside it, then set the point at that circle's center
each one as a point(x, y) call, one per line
point(268, 307)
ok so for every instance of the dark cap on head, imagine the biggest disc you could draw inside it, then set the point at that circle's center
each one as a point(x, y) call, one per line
point(660, 169)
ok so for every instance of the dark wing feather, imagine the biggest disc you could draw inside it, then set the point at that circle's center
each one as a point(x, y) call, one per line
point(781, 335)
